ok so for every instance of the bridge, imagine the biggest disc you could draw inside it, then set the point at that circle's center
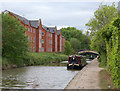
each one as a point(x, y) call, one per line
point(93, 54)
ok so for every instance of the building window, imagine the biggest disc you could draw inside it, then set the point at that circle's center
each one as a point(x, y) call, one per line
point(28, 28)
point(42, 49)
point(42, 33)
point(47, 28)
point(53, 30)
point(31, 38)
point(42, 40)
point(34, 30)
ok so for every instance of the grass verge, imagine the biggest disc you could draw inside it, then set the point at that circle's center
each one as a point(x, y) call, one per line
point(47, 59)
point(106, 80)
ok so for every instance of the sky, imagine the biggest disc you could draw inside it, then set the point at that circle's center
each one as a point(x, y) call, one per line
point(60, 13)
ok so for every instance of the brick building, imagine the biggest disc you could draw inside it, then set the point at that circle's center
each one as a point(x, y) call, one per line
point(41, 38)
point(59, 41)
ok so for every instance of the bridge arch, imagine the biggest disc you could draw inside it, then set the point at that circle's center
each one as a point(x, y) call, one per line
point(93, 54)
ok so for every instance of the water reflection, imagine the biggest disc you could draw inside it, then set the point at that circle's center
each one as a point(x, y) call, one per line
point(37, 77)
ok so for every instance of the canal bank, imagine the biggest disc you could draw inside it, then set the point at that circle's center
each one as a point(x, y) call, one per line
point(87, 78)
point(32, 59)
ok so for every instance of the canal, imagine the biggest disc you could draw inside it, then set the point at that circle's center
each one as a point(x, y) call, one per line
point(37, 77)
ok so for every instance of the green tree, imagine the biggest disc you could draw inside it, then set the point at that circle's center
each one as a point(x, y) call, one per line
point(102, 17)
point(76, 44)
point(72, 32)
point(14, 41)
point(68, 49)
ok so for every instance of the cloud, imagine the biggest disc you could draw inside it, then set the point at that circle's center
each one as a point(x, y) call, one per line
point(54, 13)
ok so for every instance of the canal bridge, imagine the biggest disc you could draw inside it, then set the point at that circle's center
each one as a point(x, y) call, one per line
point(92, 54)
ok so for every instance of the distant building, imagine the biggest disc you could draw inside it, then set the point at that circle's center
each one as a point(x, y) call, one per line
point(41, 37)
point(59, 41)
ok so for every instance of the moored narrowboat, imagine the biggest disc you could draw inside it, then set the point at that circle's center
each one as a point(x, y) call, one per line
point(75, 62)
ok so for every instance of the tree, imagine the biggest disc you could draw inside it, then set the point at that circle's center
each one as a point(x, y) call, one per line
point(76, 44)
point(72, 32)
point(102, 17)
point(14, 41)
point(68, 49)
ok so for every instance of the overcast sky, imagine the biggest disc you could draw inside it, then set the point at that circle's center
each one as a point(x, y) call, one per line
point(73, 13)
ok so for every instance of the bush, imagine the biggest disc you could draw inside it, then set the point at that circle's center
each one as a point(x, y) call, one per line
point(44, 58)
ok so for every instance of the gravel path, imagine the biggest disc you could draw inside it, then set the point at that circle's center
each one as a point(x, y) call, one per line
point(87, 78)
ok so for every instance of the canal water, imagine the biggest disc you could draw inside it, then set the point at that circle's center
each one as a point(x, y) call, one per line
point(37, 77)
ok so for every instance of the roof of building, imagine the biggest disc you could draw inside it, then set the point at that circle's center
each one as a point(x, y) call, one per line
point(34, 23)
point(52, 29)
point(58, 32)
point(23, 19)
point(45, 27)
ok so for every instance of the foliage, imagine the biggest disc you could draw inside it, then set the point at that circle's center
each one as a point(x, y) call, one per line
point(68, 49)
point(113, 53)
point(98, 44)
point(71, 32)
point(97, 25)
point(44, 58)
point(14, 41)
point(75, 43)
point(105, 36)
point(104, 15)
point(111, 36)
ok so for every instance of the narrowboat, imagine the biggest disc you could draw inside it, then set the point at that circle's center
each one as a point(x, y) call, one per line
point(76, 62)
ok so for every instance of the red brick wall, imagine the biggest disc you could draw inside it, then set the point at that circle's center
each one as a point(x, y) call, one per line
point(54, 41)
point(48, 41)
point(31, 34)
point(31, 37)
point(59, 42)
point(51, 43)
point(63, 43)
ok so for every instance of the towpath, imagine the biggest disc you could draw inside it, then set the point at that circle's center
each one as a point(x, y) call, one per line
point(87, 78)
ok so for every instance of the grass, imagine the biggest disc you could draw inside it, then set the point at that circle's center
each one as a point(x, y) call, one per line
point(47, 59)
point(106, 80)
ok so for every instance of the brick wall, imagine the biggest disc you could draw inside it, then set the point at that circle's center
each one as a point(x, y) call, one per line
point(40, 39)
